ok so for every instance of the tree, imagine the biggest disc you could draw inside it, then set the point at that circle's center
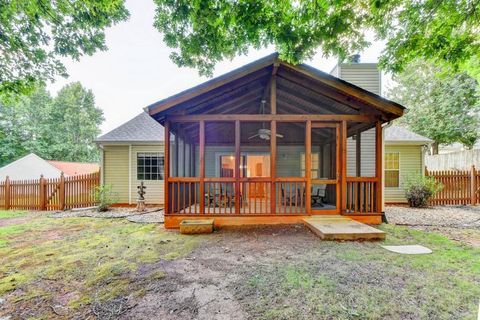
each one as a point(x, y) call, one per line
point(59, 128)
point(35, 34)
point(204, 32)
point(442, 107)
point(77, 121)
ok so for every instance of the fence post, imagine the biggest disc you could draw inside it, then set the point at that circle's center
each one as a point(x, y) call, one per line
point(7, 193)
point(43, 193)
point(473, 186)
point(61, 191)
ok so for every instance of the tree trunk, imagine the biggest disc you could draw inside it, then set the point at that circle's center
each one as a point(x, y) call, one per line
point(435, 148)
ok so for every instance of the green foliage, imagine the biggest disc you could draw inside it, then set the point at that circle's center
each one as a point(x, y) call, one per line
point(419, 189)
point(205, 32)
point(442, 107)
point(35, 34)
point(60, 128)
point(105, 197)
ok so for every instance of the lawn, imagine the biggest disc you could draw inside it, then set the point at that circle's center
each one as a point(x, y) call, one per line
point(111, 268)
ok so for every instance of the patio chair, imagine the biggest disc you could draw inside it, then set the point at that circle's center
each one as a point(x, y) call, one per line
point(289, 197)
point(318, 194)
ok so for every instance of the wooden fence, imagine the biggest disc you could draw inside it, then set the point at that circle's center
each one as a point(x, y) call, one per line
point(459, 186)
point(49, 194)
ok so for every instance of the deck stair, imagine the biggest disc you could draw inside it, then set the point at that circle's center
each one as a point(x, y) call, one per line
point(336, 227)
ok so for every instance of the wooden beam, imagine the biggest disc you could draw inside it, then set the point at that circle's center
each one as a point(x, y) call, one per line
point(238, 198)
point(338, 161)
point(308, 105)
point(343, 166)
point(353, 91)
point(273, 95)
point(358, 153)
point(210, 85)
point(308, 166)
point(166, 168)
point(202, 167)
point(271, 117)
point(273, 165)
point(379, 164)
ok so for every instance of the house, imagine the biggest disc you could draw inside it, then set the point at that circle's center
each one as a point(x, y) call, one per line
point(132, 153)
point(32, 166)
point(267, 143)
point(124, 147)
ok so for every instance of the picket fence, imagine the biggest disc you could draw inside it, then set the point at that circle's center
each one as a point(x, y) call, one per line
point(49, 194)
point(460, 187)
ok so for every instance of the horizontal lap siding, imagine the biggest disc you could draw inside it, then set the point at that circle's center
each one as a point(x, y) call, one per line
point(367, 154)
point(155, 188)
point(115, 160)
point(410, 164)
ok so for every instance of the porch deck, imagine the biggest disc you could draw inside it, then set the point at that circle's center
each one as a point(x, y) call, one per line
point(336, 227)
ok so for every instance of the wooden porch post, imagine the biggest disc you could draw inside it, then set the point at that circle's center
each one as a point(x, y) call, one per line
point(378, 165)
point(166, 169)
point(308, 167)
point(202, 167)
point(358, 154)
point(343, 174)
point(238, 198)
point(273, 143)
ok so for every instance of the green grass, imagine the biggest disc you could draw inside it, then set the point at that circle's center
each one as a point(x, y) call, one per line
point(4, 214)
point(354, 280)
point(92, 259)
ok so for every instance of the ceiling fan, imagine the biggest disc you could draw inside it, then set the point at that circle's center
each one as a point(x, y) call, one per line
point(264, 133)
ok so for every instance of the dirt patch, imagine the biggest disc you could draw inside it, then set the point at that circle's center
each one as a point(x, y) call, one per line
point(13, 221)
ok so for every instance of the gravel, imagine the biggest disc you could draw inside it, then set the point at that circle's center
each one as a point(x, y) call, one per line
point(150, 215)
point(442, 216)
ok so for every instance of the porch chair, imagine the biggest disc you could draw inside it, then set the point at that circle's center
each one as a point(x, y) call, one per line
point(318, 194)
point(289, 197)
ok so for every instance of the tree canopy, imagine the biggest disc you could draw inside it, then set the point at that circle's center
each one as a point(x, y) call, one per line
point(442, 107)
point(60, 128)
point(35, 34)
point(204, 32)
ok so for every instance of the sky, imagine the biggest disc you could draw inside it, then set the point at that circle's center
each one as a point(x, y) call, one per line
point(136, 69)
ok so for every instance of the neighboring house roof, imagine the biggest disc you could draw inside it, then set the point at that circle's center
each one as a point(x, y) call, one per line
point(75, 168)
point(32, 166)
point(397, 134)
point(142, 128)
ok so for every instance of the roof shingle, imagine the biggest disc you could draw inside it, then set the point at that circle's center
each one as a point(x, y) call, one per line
point(142, 128)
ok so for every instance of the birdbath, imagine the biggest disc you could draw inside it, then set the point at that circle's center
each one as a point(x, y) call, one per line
point(141, 199)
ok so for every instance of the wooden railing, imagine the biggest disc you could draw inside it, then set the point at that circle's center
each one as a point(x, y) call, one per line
point(220, 198)
point(460, 187)
point(362, 195)
point(49, 194)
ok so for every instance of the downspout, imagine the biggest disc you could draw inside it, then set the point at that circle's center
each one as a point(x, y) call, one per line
point(129, 174)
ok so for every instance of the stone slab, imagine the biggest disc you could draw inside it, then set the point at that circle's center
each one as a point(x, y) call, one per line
point(336, 227)
point(409, 249)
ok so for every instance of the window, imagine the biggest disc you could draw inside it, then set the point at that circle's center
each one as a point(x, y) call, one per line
point(392, 170)
point(150, 166)
point(315, 165)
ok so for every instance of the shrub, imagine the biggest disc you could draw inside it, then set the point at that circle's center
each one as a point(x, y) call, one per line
point(105, 197)
point(419, 189)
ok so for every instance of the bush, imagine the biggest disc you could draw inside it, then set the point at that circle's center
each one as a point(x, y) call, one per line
point(419, 189)
point(105, 197)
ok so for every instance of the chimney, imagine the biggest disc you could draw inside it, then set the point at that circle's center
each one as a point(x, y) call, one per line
point(364, 75)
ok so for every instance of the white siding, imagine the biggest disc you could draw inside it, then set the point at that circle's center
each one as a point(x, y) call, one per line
point(365, 75)
point(367, 154)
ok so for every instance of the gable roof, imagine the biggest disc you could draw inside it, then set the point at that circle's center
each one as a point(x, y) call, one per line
point(75, 168)
point(242, 82)
point(141, 128)
point(400, 134)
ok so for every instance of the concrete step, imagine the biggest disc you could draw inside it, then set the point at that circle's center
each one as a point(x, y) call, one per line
point(336, 227)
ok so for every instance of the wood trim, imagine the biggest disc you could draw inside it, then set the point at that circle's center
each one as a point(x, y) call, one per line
point(362, 179)
point(202, 166)
point(338, 159)
point(343, 164)
point(273, 161)
point(273, 95)
point(237, 165)
point(308, 166)
point(324, 181)
point(290, 179)
point(358, 154)
point(271, 117)
point(166, 168)
point(379, 164)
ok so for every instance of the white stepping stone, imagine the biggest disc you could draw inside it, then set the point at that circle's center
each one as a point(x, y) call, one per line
point(411, 249)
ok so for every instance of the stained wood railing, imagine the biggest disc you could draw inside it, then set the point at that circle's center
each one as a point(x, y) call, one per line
point(460, 187)
point(361, 195)
point(49, 194)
